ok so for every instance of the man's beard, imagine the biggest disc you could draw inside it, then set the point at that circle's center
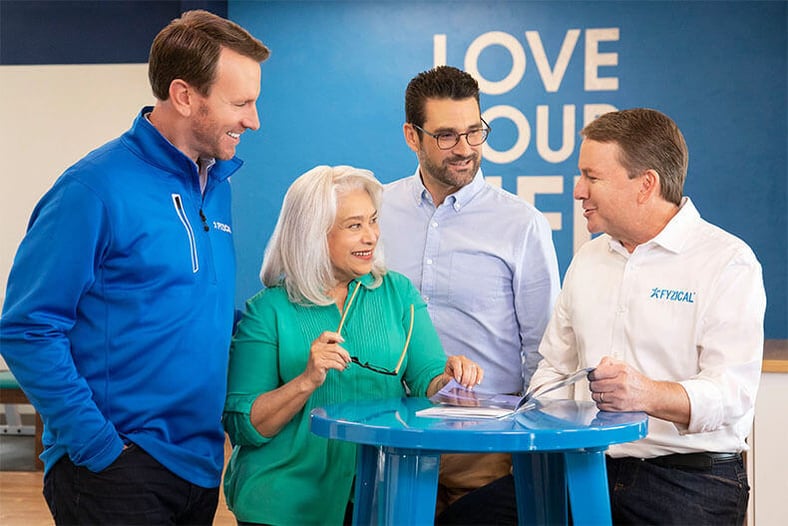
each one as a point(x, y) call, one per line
point(443, 172)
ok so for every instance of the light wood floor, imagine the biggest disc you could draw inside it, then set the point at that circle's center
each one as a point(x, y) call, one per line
point(22, 504)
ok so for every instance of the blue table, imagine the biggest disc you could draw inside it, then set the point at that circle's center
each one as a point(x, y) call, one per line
point(558, 450)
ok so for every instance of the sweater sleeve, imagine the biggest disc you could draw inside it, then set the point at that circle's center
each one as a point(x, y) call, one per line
point(56, 264)
point(253, 369)
point(426, 356)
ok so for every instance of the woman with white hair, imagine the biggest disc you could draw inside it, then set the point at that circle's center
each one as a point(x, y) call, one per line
point(332, 325)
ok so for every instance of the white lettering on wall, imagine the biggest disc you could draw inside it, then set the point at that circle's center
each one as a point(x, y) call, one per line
point(494, 180)
point(543, 134)
point(595, 59)
point(514, 48)
point(439, 50)
point(523, 134)
point(523, 127)
point(529, 186)
point(551, 78)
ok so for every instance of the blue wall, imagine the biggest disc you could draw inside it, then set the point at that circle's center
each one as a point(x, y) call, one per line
point(333, 94)
point(333, 89)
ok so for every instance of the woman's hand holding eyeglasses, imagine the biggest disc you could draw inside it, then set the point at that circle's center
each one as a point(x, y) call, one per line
point(324, 354)
point(272, 410)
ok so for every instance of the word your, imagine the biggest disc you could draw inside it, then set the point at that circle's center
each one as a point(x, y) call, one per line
point(568, 136)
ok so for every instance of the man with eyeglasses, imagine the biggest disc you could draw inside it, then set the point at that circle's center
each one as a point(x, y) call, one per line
point(482, 258)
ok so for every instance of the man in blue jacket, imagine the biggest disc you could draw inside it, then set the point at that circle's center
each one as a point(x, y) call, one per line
point(119, 308)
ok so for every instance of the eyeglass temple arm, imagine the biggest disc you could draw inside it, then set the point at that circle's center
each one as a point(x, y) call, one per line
point(407, 341)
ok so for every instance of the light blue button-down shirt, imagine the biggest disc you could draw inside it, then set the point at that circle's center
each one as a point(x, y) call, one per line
point(485, 263)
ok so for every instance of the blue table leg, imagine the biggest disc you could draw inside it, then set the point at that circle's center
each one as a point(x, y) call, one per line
point(410, 486)
point(540, 484)
point(366, 471)
point(586, 475)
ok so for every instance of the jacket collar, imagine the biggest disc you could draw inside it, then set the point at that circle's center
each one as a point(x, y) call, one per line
point(146, 141)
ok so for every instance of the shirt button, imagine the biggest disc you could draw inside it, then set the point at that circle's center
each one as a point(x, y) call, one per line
point(429, 262)
point(434, 224)
point(426, 299)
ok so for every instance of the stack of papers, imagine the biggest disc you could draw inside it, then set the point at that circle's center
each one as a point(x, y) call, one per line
point(456, 401)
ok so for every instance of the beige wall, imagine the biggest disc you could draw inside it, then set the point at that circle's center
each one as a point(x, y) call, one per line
point(51, 117)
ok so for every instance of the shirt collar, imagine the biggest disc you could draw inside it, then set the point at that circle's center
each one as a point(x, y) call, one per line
point(367, 280)
point(675, 234)
point(457, 200)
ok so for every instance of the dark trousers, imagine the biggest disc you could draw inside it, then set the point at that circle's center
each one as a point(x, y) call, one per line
point(644, 492)
point(641, 492)
point(493, 504)
point(135, 489)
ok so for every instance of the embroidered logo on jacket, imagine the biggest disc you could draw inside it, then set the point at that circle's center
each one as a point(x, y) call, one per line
point(673, 295)
point(221, 226)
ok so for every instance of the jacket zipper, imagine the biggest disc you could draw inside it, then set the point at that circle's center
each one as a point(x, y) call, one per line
point(178, 202)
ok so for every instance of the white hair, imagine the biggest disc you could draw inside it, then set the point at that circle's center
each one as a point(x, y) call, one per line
point(297, 254)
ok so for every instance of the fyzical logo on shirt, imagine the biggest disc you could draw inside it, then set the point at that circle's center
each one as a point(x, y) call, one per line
point(672, 295)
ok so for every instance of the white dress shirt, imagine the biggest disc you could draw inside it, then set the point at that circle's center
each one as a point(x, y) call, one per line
point(687, 307)
point(485, 264)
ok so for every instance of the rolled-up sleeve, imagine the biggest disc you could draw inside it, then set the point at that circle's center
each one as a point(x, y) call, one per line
point(252, 370)
point(730, 349)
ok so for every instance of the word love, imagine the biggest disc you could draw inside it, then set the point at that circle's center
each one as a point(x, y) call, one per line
point(551, 75)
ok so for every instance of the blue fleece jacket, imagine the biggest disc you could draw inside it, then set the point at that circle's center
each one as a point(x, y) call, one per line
point(119, 308)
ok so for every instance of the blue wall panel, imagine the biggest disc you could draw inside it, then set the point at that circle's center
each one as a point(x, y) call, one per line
point(333, 90)
point(333, 94)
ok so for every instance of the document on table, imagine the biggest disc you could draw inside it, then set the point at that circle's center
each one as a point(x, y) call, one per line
point(456, 401)
point(534, 393)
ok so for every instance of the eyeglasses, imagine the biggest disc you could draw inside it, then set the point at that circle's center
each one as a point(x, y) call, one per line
point(449, 139)
point(367, 365)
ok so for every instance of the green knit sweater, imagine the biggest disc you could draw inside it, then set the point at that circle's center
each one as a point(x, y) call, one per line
point(296, 477)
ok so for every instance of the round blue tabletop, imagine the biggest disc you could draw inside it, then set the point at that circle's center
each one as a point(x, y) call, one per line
point(552, 426)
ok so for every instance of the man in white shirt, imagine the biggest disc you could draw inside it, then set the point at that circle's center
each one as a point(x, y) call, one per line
point(482, 258)
point(669, 308)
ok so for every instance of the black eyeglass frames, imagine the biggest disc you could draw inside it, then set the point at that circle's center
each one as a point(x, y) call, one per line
point(367, 365)
point(448, 139)
point(383, 370)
